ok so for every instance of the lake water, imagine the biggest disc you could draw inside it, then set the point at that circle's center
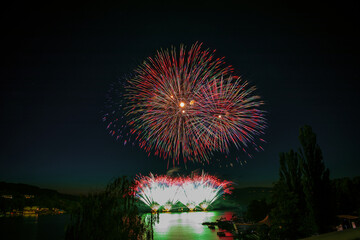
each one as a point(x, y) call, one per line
point(188, 225)
point(31, 228)
point(184, 225)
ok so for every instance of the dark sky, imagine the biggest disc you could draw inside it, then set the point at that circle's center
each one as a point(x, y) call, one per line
point(59, 61)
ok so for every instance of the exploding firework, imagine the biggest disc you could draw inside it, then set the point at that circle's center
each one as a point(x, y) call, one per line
point(202, 191)
point(195, 191)
point(187, 105)
point(157, 191)
point(230, 114)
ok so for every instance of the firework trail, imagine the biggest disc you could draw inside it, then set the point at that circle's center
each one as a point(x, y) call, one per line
point(229, 114)
point(187, 105)
point(195, 191)
point(114, 115)
point(157, 191)
point(202, 190)
point(190, 195)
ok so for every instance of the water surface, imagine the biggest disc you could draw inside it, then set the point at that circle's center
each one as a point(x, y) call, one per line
point(31, 228)
point(188, 225)
point(175, 225)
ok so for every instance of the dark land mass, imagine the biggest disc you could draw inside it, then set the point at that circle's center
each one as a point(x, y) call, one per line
point(240, 198)
point(243, 196)
point(13, 196)
point(18, 195)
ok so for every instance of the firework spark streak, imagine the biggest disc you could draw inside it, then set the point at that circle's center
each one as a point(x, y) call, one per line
point(157, 191)
point(195, 191)
point(187, 105)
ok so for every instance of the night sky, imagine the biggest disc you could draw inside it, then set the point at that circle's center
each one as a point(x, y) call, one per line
point(60, 60)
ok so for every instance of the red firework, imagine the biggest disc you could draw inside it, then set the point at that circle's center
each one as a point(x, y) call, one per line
point(186, 105)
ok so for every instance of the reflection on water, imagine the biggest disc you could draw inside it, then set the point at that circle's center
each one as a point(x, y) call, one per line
point(187, 225)
point(176, 225)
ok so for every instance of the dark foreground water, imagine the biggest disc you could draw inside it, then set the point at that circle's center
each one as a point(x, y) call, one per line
point(185, 225)
point(31, 228)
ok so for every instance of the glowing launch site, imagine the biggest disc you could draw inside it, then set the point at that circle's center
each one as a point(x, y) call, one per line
point(195, 192)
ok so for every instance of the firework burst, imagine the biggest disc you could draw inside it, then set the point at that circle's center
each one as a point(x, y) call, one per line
point(157, 191)
point(187, 105)
point(195, 191)
point(202, 190)
point(229, 114)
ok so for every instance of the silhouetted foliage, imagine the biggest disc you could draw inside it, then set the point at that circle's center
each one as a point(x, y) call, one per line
point(262, 232)
point(316, 181)
point(257, 210)
point(303, 196)
point(289, 216)
point(347, 195)
point(111, 214)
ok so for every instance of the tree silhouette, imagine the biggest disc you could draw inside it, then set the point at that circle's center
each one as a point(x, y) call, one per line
point(316, 181)
point(302, 198)
point(111, 214)
point(289, 216)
